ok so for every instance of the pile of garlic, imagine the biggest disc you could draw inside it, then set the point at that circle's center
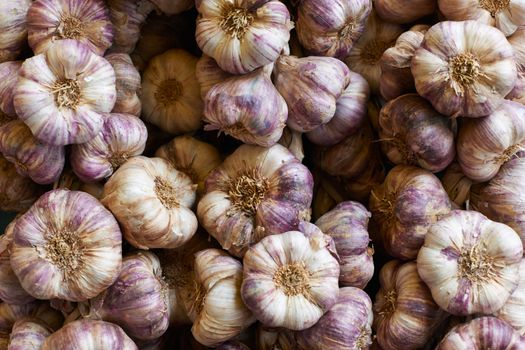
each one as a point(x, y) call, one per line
point(163, 195)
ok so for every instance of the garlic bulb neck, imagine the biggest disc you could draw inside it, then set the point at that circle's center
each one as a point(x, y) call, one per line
point(390, 303)
point(476, 266)
point(494, 6)
point(166, 193)
point(363, 340)
point(374, 49)
point(508, 154)
point(199, 296)
point(117, 159)
point(169, 91)
point(408, 156)
point(70, 28)
point(348, 30)
point(235, 22)
point(247, 190)
point(64, 249)
point(464, 69)
point(67, 93)
point(293, 279)
point(386, 205)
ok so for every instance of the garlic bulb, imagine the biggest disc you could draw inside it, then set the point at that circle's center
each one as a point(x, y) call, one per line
point(330, 28)
point(13, 28)
point(405, 316)
point(347, 325)
point(242, 35)
point(87, 22)
point(28, 333)
point(482, 333)
point(122, 137)
point(513, 311)
point(40, 310)
point(405, 206)
point(413, 133)
point(191, 156)
point(350, 114)
point(464, 68)
point(214, 302)
point(347, 224)
point(484, 145)
point(152, 201)
point(479, 263)
point(17, 193)
point(311, 87)
point(293, 140)
point(171, 93)
point(9, 78)
point(506, 15)
point(42, 163)
point(208, 74)
point(62, 94)
point(248, 108)
point(137, 301)
point(366, 54)
point(89, 335)
point(255, 192)
point(291, 279)
point(67, 246)
point(400, 11)
point(456, 184)
point(127, 17)
point(396, 77)
point(11, 291)
point(173, 7)
point(517, 41)
point(127, 84)
point(275, 338)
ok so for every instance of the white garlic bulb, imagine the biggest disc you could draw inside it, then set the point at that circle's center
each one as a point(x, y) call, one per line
point(513, 312)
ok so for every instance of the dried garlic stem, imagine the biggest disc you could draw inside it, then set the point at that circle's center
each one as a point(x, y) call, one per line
point(64, 249)
point(390, 303)
point(247, 190)
point(70, 28)
point(494, 6)
point(169, 91)
point(476, 266)
point(166, 193)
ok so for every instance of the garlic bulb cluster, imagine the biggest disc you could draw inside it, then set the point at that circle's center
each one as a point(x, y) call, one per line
point(517, 41)
point(88, 22)
point(366, 54)
point(405, 206)
point(402, 11)
point(405, 315)
point(482, 333)
point(456, 184)
point(464, 68)
point(17, 193)
point(347, 325)
point(248, 108)
point(208, 74)
point(311, 87)
point(13, 28)
point(42, 163)
point(9, 78)
point(127, 84)
point(291, 279)
point(62, 93)
point(396, 76)
point(413, 133)
point(484, 145)
point(331, 27)
point(89, 335)
point(506, 15)
point(28, 333)
point(347, 224)
point(67, 246)
point(171, 93)
point(255, 192)
point(242, 35)
point(151, 201)
point(479, 262)
point(122, 136)
point(513, 311)
point(191, 156)
point(214, 302)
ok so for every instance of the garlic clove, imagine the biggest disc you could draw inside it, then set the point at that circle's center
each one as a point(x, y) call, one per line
point(127, 84)
point(456, 184)
point(17, 193)
point(516, 40)
point(8, 77)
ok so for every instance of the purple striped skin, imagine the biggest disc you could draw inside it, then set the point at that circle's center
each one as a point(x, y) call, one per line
point(10, 313)
point(127, 83)
point(89, 335)
point(482, 333)
point(9, 78)
point(13, 32)
point(28, 334)
point(44, 17)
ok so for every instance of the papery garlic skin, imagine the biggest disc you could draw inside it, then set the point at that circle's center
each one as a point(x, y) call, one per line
point(40, 310)
point(62, 94)
point(89, 335)
point(9, 78)
point(151, 201)
point(242, 35)
point(347, 224)
point(405, 315)
point(28, 334)
point(291, 279)
point(482, 333)
point(293, 140)
point(171, 93)
point(517, 41)
point(13, 28)
point(255, 192)
point(396, 76)
point(67, 246)
point(405, 206)
point(173, 7)
point(42, 163)
point(484, 145)
point(191, 156)
point(275, 338)
point(350, 114)
point(214, 303)
point(137, 301)
point(366, 54)
point(17, 193)
point(248, 108)
point(456, 184)
point(513, 312)
point(450, 49)
point(402, 11)
point(347, 325)
point(330, 28)
point(506, 15)
point(127, 84)
point(208, 74)
point(413, 133)
point(122, 136)
point(479, 263)
point(311, 87)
